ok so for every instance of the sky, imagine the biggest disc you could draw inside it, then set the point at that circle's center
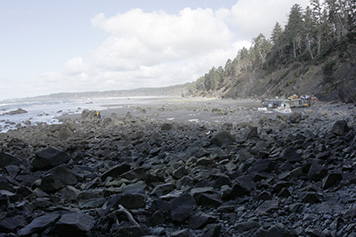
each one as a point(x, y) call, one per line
point(51, 46)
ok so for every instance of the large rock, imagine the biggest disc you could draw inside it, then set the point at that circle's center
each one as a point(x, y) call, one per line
point(209, 200)
point(243, 186)
point(116, 171)
point(200, 220)
point(49, 158)
point(252, 132)
point(57, 178)
point(39, 224)
point(182, 207)
point(268, 206)
point(332, 179)
point(18, 111)
point(223, 138)
point(295, 117)
point(340, 127)
point(132, 201)
point(11, 224)
point(290, 155)
point(73, 224)
point(7, 159)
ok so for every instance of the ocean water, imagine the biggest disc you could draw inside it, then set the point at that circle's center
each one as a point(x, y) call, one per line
point(46, 111)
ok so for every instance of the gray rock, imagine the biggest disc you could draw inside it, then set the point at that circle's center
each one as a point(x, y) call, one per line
point(204, 161)
point(265, 195)
point(262, 165)
point(116, 171)
point(7, 159)
point(49, 158)
point(162, 189)
point(243, 186)
point(18, 111)
point(248, 225)
point(212, 230)
point(331, 180)
point(132, 231)
point(268, 206)
point(310, 197)
point(351, 213)
point(252, 133)
point(223, 138)
point(208, 200)
point(200, 220)
point(39, 224)
point(295, 117)
point(182, 207)
point(11, 224)
point(340, 127)
point(273, 231)
point(12, 170)
point(132, 201)
point(182, 233)
point(70, 193)
point(57, 178)
point(73, 224)
point(316, 172)
point(179, 173)
point(290, 155)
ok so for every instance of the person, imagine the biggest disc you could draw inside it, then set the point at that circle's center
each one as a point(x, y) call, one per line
point(98, 114)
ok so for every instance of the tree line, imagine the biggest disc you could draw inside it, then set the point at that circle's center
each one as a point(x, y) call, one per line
point(310, 34)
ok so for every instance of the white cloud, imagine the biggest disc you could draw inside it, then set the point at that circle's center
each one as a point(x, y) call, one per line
point(259, 16)
point(151, 49)
point(75, 66)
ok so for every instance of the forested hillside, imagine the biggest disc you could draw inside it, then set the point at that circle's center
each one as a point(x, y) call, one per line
point(314, 53)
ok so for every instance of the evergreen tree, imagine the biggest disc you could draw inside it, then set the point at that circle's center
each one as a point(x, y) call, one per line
point(294, 28)
point(309, 31)
point(317, 18)
point(276, 33)
point(260, 47)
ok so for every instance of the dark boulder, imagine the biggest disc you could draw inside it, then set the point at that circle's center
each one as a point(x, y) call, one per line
point(182, 207)
point(290, 155)
point(223, 138)
point(182, 233)
point(252, 133)
point(212, 230)
point(208, 200)
point(332, 179)
point(39, 224)
point(310, 197)
point(295, 117)
point(200, 220)
point(116, 171)
point(340, 127)
point(268, 206)
point(18, 111)
point(11, 224)
point(243, 185)
point(262, 165)
point(73, 224)
point(49, 158)
point(7, 159)
point(132, 201)
point(57, 178)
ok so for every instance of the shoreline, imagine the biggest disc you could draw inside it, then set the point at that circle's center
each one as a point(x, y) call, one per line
point(250, 173)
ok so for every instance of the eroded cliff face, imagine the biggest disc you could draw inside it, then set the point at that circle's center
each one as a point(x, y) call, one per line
point(333, 78)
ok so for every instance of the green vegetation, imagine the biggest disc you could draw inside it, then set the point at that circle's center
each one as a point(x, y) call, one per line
point(313, 44)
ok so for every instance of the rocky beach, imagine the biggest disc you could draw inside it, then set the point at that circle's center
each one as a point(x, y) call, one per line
point(184, 168)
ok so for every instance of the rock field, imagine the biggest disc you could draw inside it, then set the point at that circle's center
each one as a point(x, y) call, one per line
point(260, 174)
